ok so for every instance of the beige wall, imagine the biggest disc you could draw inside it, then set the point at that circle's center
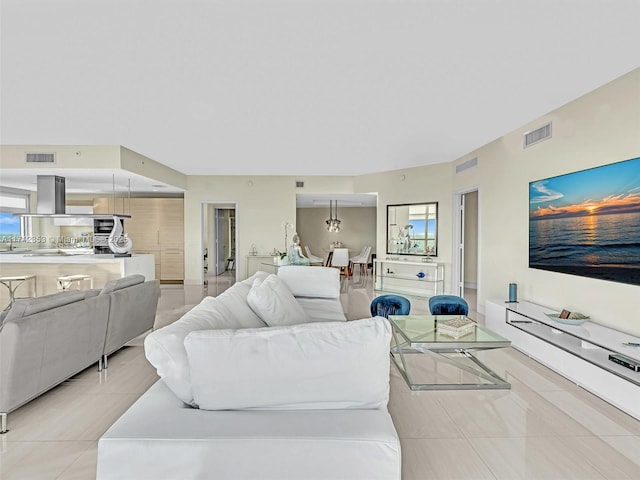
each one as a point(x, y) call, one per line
point(357, 228)
point(263, 203)
point(136, 163)
point(600, 128)
point(67, 156)
point(415, 185)
point(93, 156)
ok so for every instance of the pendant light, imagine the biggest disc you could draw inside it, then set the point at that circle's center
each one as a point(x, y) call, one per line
point(333, 224)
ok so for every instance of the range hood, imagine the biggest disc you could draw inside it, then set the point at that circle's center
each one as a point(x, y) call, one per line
point(51, 192)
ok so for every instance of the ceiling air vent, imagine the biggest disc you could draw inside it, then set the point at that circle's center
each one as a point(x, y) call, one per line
point(299, 184)
point(538, 135)
point(40, 158)
point(467, 165)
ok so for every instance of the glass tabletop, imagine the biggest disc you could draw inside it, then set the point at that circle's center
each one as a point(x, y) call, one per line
point(423, 330)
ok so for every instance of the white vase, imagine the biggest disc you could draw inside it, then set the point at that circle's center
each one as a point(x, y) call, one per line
point(282, 261)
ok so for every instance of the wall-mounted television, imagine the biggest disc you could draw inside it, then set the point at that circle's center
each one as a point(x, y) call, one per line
point(587, 223)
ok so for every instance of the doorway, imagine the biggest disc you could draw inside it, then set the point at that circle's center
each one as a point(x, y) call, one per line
point(219, 240)
point(465, 269)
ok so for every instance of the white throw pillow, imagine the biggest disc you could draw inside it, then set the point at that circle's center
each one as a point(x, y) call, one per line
point(315, 282)
point(274, 303)
point(327, 365)
point(164, 348)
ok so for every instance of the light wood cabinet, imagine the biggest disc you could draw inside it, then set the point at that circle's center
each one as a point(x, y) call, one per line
point(172, 265)
point(102, 205)
point(156, 226)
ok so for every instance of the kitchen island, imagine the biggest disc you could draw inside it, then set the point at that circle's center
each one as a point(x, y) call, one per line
point(48, 265)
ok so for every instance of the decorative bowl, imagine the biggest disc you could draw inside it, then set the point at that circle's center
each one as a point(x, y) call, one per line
point(575, 318)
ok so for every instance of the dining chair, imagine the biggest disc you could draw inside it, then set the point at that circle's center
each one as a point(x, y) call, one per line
point(340, 259)
point(359, 254)
point(313, 259)
point(355, 258)
point(362, 260)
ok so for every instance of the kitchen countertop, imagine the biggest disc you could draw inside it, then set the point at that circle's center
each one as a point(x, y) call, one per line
point(49, 267)
point(40, 256)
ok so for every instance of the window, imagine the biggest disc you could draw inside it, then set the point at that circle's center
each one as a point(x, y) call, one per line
point(14, 228)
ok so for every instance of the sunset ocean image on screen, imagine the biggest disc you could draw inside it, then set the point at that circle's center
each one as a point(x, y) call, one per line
point(588, 223)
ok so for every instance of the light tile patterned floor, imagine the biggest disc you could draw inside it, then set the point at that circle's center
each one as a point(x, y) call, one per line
point(545, 427)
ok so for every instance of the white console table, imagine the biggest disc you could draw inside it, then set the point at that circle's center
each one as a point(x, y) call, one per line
point(403, 276)
point(578, 352)
point(253, 263)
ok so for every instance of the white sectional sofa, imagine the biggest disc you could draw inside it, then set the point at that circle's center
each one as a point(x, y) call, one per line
point(302, 395)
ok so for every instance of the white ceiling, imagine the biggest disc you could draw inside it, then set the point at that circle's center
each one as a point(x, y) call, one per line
point(306, 87)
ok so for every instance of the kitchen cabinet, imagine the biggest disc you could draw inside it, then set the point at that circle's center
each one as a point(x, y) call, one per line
point(156, 227)
point(172, 265)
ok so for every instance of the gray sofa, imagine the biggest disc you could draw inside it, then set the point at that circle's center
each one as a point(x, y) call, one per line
point(46, 340)
point(132, 310)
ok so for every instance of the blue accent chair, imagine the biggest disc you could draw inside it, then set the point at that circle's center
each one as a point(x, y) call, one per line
point(448, 305)
point(386, 305)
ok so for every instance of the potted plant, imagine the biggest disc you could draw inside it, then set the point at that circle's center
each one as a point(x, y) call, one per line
point(281, 258)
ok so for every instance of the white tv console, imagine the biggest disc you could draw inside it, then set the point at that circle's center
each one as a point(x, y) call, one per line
point(578, 352)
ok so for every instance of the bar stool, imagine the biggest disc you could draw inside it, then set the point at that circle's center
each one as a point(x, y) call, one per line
point(19, 280)
point(65, 281)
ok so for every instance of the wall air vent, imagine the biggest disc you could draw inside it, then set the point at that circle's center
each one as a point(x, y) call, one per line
point(467, 165)
point(299, 184)
point(39, 157)
point(538, 135)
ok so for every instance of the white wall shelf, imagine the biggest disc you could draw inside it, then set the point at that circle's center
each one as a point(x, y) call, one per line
point(401, 276)
point(578, 352)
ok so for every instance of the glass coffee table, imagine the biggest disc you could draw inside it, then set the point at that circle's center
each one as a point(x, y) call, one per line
point(418, 334)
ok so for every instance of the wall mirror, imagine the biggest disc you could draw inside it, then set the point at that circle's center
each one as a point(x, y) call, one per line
point(412, 229)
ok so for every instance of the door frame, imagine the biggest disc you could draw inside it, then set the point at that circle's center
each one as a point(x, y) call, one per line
point(457, 260)
point(219, 262)
point(204, 204)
